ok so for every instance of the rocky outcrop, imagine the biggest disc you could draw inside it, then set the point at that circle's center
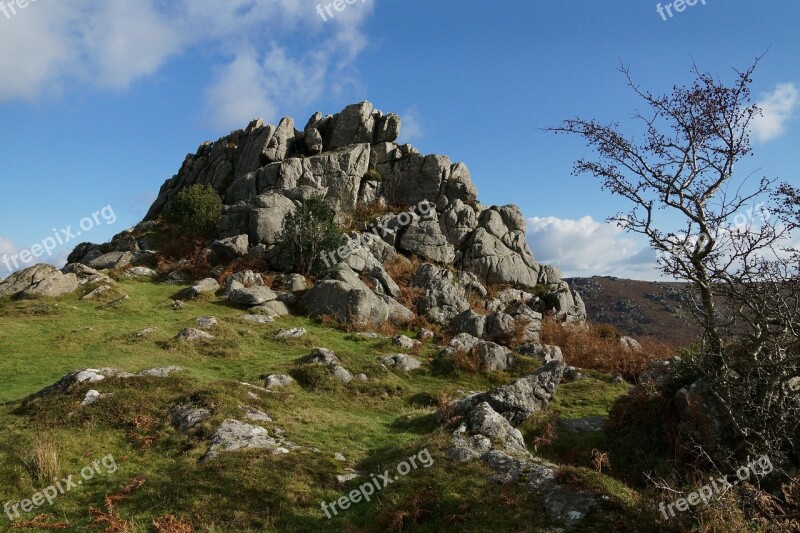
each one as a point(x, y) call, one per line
point(348, 299)
point(520, 399)
point(351, 158)
point(490, 356)
point(38, 280)
point(235, 435)
point(420, 205)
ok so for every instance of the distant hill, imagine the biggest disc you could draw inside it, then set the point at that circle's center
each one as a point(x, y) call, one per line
point(639, 308)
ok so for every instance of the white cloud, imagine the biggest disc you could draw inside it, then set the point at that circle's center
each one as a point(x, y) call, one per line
point(7, 248)
point(585, 247)
point(777, 109)
point(114, 43)
point(410, 126)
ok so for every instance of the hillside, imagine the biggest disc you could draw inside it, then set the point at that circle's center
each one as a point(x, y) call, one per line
point(325, 330)
point(639, 308)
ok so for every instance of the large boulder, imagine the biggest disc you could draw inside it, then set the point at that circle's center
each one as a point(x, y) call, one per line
point(352, 301)
point(520, 399)
point(39, 280)
point(444, 293)
point(266, 217)
point(490, 356)
point(498, 252)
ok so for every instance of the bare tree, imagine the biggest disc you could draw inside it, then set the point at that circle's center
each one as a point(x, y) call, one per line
point(683, 183)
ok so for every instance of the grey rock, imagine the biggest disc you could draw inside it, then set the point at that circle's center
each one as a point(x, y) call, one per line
point(322, 356)
point(186, 417)
point(544, 352)
point(353, 303)
point(235, 435)
point(341, 373)
point(402, 362)
point(313, 140)
point(492, 356)
point(97, 293)
point(191, 334)
point(230, 248)
point(405, 342)
point(629, 343)
point(281, 143)
point(140, 272)
point(204, 286)
point(354, 125)
point(206, 322)
point(291, 333)
point(572, 374)
point(145, 332)
point(250, 296)
point(484, 430)
point(469, 322)
point(255, 415)
point(444, 295)
point(160, 372)
point(92, 397)
point(295, 282)
point(39, 280)
point(266, 217)
point(520, 399)
point(112, 260)
point(85, 274)
point(273, 308)
point(278, 380)
point(257, 319)
point(387, 128)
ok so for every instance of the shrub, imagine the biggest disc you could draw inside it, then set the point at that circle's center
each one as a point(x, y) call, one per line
point(597, 347)
point(195, 211)
point(310, 235)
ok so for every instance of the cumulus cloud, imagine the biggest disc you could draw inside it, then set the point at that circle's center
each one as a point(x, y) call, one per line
point(586, 247)
point(114, 43)
point(410, 126)
point(777, 109)
point(7, 248)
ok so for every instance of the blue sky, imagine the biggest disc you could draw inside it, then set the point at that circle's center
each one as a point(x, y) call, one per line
point(101, 100)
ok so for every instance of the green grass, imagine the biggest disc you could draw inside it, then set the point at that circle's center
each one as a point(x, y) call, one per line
point(375, 425)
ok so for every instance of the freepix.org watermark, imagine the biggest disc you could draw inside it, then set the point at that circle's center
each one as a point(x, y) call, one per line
point(337, 5)
point(423, 209)
point(760, 467)
point(59, 488)
point(678, 5)
point(9, 8)
point(378, 483)
point(60, 237)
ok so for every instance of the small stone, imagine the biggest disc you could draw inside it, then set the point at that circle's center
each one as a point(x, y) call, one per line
point(207, 322)
point(291, 333)
point(278, 380)
point(145, 332)
point(257, 319)
point(191, 334)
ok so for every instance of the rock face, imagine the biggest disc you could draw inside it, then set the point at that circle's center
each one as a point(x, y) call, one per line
point(263, 172)
point(420, 205)
point(520, 399)
point(39, 280)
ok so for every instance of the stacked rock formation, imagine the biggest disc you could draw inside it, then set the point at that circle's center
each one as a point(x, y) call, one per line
point(351, 160)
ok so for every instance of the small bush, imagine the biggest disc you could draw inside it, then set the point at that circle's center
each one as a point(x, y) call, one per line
point(310, 235)
point(597, 347)
point(195, 211)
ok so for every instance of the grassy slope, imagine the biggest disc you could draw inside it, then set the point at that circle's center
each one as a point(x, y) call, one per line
point(375, 425)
